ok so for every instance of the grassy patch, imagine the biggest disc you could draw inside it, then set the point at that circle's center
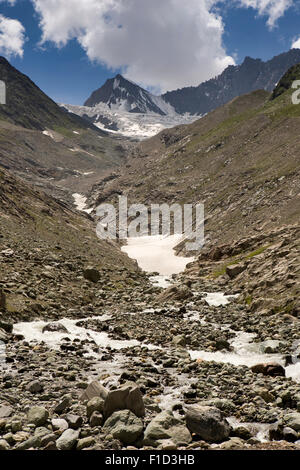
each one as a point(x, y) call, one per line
point(238, 259)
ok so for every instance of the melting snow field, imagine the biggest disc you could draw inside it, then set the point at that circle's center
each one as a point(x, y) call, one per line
point(80, 203)
point(156, 254)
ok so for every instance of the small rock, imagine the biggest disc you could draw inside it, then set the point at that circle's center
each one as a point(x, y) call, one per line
point(4, 445)
point(5, 411)
point(96, 419)
point(59, 424)
point(74, 421)
point(85, 443)
point(35, 387)
point(55, 327)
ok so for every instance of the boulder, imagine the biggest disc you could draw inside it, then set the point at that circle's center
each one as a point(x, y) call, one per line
point(207, 422)
point(38, 415)
point(55, 327)
point(272, 368)
point(91, 274)
point(74, 421)
point(175, 293)
point(94, 389)
point(59, 425)
point(95, 404)
point(5, 411)
point(128, 397)
point(234, 270)
point(292, 420)
point(68, 440)
point(63, 405)
point(3, 336)
point(6, 326)
point(35, 387)
point(125, 426)
point(166, 427)
point(4, 445)
point(2, 300)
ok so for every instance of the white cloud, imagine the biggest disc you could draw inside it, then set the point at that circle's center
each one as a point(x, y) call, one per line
point(12, 37)
point(273, 9)
point(296, 44)
point(162, 44)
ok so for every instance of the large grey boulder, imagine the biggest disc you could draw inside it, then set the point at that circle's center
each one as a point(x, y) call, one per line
point(5, 411)
point(166, 427)
point(67, 440)
point(125, 426)
point(292, 420)
point(207, 422)
point(38, 415)
point(128, 397)
point(94, 389)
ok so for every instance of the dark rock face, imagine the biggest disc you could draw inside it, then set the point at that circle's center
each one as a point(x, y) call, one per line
point(119, 90)
point(251, 75)
point(27, 106)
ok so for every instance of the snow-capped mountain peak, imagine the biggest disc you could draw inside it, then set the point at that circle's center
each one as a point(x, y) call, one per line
point(120, 94)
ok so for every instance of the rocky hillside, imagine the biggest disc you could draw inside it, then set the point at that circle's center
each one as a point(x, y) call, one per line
point(45, 251)
point(241, 161)
point(49, 146)
point(251, 75)
point(27, 106)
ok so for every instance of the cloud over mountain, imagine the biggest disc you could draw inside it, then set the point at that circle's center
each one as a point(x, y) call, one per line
point(12, 37)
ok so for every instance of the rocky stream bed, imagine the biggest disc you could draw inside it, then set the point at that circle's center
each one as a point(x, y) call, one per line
point(175, 367)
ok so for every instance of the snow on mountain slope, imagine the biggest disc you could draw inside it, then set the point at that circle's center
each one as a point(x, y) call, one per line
point(135, 125)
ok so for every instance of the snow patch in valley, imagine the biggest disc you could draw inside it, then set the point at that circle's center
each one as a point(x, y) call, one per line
point(156, 254)
point(80, 203)
point(49, 134)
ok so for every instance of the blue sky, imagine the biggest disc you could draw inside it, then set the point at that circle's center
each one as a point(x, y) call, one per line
point(71, 56)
